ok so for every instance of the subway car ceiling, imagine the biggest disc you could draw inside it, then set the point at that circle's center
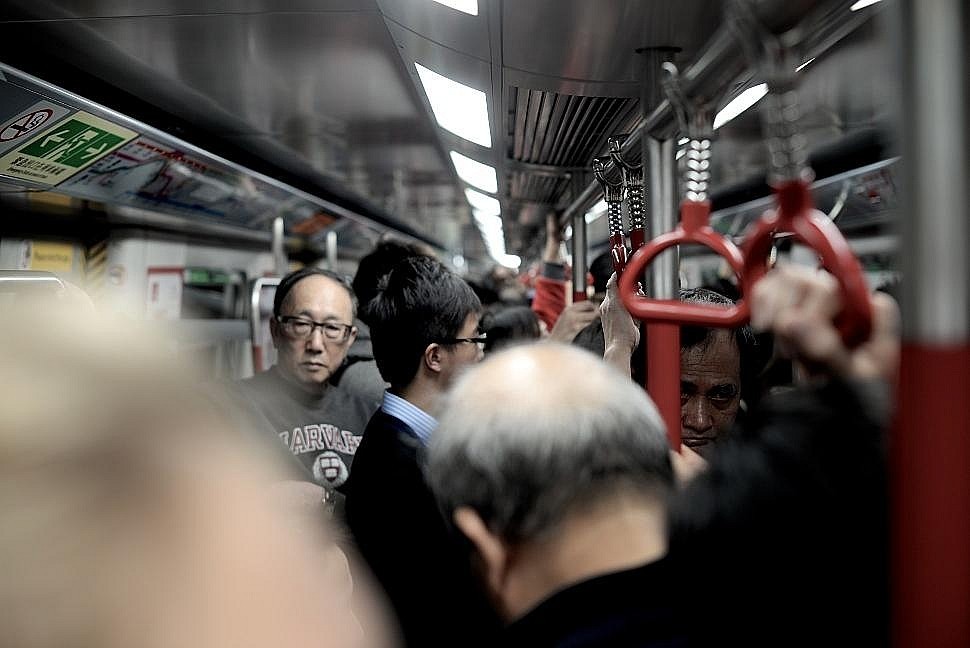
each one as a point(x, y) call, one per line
point(327, 112)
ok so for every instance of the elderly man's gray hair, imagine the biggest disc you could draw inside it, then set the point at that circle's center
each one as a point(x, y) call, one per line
point(536, 431)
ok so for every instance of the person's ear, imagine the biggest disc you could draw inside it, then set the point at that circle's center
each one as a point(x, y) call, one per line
point(491, 549)
point(433, 357)
point(353, 336)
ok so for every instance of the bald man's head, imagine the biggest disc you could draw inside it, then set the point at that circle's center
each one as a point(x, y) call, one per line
point(535, 431)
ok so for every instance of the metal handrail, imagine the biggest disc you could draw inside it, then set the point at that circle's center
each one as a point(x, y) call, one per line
point(13, 280)
point(254, 320)
point(718, 66)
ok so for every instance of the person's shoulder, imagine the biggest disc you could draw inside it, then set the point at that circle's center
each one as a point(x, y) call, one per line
point(389, 431)
point(352, 400)
point(258, 382)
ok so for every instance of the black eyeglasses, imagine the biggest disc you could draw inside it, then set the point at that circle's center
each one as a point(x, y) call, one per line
point(480, 340)
point(302, 328)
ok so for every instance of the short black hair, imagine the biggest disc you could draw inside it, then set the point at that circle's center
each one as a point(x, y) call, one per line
point(421, 302)
point(602, 269)
point(505, 325)
point(373, 267)
point(293, 278)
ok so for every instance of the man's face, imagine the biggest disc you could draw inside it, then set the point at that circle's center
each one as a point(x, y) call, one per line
point(710, 390)
point(309, 361)
point(461, 355)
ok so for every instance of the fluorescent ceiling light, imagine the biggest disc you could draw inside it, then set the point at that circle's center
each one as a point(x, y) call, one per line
point(495, 243)
point(862, 4)
point(806, 63)
point(739, 104)
point(457, 107)
point(475, 173)
point(485, 204)
point(596, 211)
point(467, 6)
point(682, 141)
point(488, 223)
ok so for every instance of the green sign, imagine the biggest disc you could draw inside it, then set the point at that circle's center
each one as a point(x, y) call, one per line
point(63, 150)
point(74, 144)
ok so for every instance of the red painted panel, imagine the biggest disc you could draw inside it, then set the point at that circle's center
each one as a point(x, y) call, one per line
point(930, 456)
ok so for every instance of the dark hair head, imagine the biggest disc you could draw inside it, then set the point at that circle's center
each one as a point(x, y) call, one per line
point(290, 280)
point(752, 357)
point(691, 336)
point(421, 302)
point(508, 324)
point(602, 269)
point(749, 347)
point(375, 266)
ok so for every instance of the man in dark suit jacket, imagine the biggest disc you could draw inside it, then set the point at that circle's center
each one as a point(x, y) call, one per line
point(424, 331)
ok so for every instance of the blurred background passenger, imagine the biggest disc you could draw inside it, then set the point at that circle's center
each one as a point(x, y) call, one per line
point(508, 325)
point(132, 514)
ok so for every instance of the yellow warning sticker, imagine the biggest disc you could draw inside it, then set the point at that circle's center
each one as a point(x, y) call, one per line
point(50, 256)
point(61, 151)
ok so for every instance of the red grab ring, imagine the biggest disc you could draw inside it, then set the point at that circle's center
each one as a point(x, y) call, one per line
point(796, 214)
point(693, 228)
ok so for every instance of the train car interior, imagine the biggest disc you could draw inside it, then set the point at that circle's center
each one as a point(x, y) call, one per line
point(173, 159)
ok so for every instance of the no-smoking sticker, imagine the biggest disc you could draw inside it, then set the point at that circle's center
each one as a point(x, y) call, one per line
point(30, 121)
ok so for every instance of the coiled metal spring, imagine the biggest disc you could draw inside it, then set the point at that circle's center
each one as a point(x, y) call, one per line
point(698, 173)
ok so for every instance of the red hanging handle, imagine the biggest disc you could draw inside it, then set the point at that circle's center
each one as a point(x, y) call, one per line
point(637, 238)
point(796, 214)
point(694, 227)
point(618, 253)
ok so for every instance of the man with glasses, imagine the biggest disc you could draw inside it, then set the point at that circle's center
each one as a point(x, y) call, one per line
point(312, 328)
point(424, 329)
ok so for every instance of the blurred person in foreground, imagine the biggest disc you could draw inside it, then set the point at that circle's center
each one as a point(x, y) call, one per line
point(132, 514)
point(560, 486)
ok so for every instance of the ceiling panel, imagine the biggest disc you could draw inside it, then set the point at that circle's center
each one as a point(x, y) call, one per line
point(333, 81)
point(53, 9)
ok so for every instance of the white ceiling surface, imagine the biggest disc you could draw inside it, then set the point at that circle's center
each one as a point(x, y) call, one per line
point(334, 79)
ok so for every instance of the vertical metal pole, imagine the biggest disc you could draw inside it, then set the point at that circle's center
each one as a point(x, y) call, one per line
point(663, 340)
point(278, 249)
point(930, 449)
point(331, 248)
point(659, 179)
point(580, 260)
point(579, 257)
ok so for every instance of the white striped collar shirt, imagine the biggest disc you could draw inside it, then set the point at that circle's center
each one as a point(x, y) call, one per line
point(416, 418)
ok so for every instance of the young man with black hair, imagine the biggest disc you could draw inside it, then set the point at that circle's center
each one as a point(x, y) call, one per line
point(321, 425)
point(424, 329)
point(359, 374)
